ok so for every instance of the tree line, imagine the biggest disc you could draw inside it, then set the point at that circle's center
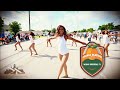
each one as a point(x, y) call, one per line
point(16, 27)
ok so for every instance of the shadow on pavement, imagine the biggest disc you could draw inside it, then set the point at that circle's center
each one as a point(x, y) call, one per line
point(73, 49)
point(114, 50)
point(10, 56)
point(70, 78)
point(51, 57)
point(117, 58)
point(25, 50)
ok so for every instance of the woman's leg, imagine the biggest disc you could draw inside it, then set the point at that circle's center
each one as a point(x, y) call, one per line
point(72, 43)
point(30, 48)
point(20, 45)
point(63, 64)
point(34, 48)
point(50, 43)
point(106, 49)
point(16, 45)
point(47, 43)
point(60, 57)
point(76, 44)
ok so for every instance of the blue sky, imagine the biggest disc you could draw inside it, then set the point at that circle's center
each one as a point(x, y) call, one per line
point(72, 20)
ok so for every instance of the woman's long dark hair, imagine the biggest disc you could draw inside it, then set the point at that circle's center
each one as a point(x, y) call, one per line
point(49, 32)
point(58, 28)
point(103, 32)
point(18, 34)
point(32, 34)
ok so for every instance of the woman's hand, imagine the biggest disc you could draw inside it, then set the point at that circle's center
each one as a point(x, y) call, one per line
point(98, 44)
point(83, 43)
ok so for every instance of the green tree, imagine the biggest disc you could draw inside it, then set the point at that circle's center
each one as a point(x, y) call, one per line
point(32, 30)
point(15, 27)
point(75, 31)
point(84, 30)
point(45, 30)
point(110, 26)
point(48, 30)
point(117, 27)
point(1, 24)
point(79, 31)
point(90, 30)
point(53, 30)
point(103, 27)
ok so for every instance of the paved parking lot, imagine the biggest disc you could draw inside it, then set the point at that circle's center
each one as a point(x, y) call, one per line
point(46, 64)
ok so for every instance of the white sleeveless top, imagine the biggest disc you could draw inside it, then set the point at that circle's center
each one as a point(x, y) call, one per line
point(17, 39)
point(106, 39)
point(48, 36)
point(31, 39)
point(62, 49)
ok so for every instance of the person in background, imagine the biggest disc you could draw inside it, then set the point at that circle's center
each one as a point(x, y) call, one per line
point(73, 42)
point(48, 41)
point(18, 41)
point(32, 46)
point(100, 36)
point(106, 40)
point(89, 36)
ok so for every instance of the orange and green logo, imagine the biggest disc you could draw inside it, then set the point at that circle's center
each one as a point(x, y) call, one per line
point(92, 58)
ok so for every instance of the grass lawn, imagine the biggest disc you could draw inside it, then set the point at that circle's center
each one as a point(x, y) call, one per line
point(36, 37)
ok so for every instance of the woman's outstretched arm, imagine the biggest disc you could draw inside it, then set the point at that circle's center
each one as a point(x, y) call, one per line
point(70, 38)
point(54, 37)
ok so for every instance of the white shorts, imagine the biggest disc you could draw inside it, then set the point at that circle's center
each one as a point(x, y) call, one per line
point(18, 40)
point(63, 52)
point(106, 43)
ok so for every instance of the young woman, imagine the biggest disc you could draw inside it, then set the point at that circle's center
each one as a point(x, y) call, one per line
point(100, 36)
point(74, 35)
point(89, 36)
point(106, 41)
point(48, 36)
point(18, 41)
point(63, 52)
point(32, 46)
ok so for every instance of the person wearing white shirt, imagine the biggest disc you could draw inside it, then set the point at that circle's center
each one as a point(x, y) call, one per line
point(74, 36)
point(63, 52)
point(106, 41)
point(32, 46)
point(48, 41)
point(89, 36)
point(100, 36)
point(18, 41)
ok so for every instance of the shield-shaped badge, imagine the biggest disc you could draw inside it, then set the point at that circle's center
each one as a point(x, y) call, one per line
point(92, 58)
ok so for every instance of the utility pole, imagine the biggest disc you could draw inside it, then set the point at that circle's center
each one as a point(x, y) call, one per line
point(51, 27)
point(29, 20)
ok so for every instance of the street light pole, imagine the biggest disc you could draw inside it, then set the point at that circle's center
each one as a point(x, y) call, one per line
point(29, 20)
point(51, 27)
